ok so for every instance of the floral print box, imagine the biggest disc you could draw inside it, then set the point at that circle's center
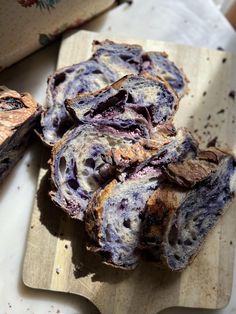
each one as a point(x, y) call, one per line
point(27, 25)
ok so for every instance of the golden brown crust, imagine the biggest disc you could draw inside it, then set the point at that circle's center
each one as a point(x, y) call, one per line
point(93, 219)
point(11, 119)
point(189, 172)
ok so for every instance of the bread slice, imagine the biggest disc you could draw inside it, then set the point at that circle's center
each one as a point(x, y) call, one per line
point(114, 215)
point(179, 216)
point(18, 113)
point(86, 76)
point(157, 64)
point(89, 156)
point(142, 99)
point(110, 62)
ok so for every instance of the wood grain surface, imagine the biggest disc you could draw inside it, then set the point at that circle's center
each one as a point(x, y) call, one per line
point(55, 256)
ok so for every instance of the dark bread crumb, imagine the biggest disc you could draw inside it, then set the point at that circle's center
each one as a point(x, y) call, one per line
point(66, 246)
point(224, 60)
point(221, 111)
point(231, 242)
point(209, 117)
point(204, 93)
point(220, 48)
point(191, 117)
point(212, 143)
point(232, 94)
point(195, 131)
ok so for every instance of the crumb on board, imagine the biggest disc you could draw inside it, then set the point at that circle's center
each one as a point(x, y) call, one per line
point(18, 188)
point(232, 94)
point(204, 93)
point(209, 117)
point(195, 131)
point(230, 242)
point(220, 111)
point(28, 165)
point(191, 117)
point(220, 48)
point(9, 304)
point(224, 60)
point(66, 246)
point(207, 58)
point(58, 270)
point(58, 312)
point(31, 227)
point(212, 143)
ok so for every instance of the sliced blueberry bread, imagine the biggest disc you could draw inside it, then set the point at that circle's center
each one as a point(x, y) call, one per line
point(89, 156)
point(110, 62)
point(180, 215)
point(139, 99)
point(114, 214)
point(86, 76)
point(18, 115)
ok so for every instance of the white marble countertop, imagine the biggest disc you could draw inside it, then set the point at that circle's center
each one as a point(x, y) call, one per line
point(191, 22)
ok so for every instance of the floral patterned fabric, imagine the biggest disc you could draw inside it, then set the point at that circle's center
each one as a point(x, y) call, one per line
point(39, 22)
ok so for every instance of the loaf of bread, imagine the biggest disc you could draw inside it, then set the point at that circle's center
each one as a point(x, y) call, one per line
point(180, 214)
point(109, 63)
point(18, 115)
point(142, 188)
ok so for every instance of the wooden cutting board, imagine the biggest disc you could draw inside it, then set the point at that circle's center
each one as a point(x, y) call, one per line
point(55, 256)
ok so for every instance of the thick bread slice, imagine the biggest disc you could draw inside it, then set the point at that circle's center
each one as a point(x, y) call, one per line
point(114, 214)
point(89, 156)
point(65, 83)
point(18, 113)
point(110, 62)
point(157, 64)
point(178, 219)
point(141, 99)
point(106, 66)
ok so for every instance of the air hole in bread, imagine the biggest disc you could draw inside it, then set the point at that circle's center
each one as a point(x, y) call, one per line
point(90, 163)
point(10, 103)
point(127, 223)
point(5, 160)
point(59, 78)
point(177, 257)
point(73, 184)
point(62, 165)
point(188, 242)
point(173, 235)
